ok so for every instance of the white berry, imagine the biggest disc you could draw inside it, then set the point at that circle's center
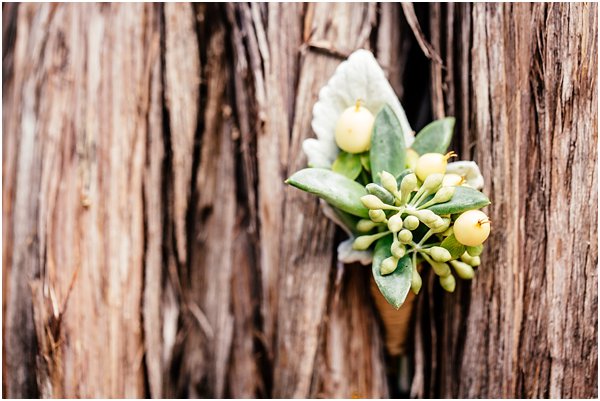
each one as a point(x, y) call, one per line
point(472, 228)
point(354, 128)
point(431, 163)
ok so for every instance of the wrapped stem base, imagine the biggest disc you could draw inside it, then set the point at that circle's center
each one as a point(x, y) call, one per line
point(396, 322)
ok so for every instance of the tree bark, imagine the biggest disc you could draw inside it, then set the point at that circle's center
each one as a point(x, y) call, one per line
point(151, 248)
point(522, 81)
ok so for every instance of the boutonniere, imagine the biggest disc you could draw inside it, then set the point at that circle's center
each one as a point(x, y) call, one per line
point(398, 196)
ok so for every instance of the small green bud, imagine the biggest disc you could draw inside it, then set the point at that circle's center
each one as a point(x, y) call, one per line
point(475, 250)
point(439, 254)
point(409, 183)
point(411, 222)
point(372, 202)
point(364, 225)
point(439, 268)
point(440, 225)
point(405, 236)
point(395, 223)
point(471, 260)
point(463, 270)
point(388, 181)
point(364, 241)
point(426, 216)
point(444, 194)
point(398, 250)
point(380, 192)
point(448, 283)
point(433, 182)
point(388, 265)
point(448, 232)
point(416, 282)
point(377, 215)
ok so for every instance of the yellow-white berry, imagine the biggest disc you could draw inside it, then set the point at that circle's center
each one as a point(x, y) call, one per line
point(431, 163)
point(452, 180)
point(353, 129)
point(472, 228)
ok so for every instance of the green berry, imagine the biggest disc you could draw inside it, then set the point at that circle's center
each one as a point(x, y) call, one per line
point(364, 241)
point(411, 223)
point(426, 216)
point(372, 202)
point(405, 236)
point(398, 250)
point(463, 270)
point(377, 216)
point(439, 268)
point(433, 182)
point(471, 260)
point(448, 283)
point(364, 225)
point(416, 282)
point(439, 254)
point(388, 181)
point(388, 265)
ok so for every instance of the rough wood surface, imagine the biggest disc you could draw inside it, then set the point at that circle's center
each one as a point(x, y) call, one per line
point(150, 247)
point(526, 101)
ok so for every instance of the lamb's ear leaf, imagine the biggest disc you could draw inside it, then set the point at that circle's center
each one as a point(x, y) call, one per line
point(435, 137)
point(388, 151)
point(334, 188)
point(464, 198)
point(395, 286)
point(347, 164)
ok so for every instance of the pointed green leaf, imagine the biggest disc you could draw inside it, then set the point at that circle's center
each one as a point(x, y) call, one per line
point(435, 137)
point(333, 187)
point(395, 286)
point(455, 248)
point(347, 164)
point(464, 198)
point(387, 151)
point(365, 161)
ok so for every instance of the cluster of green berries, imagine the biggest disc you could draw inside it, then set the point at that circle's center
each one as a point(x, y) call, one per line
point(401, 210)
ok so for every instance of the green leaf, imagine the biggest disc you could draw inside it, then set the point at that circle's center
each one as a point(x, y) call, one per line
point(464, 198)
point(455, 248)
point(347, 164)
point(395, 286)
point(475, 250)
point(435, 137)
point(349, 220)
point(365, 160)
point(387, 151)
point(333, 187)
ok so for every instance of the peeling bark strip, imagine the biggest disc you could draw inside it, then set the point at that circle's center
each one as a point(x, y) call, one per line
point(150, 247)
point(532, 125)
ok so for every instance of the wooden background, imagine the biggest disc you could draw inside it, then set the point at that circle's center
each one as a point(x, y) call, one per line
point(150, 247)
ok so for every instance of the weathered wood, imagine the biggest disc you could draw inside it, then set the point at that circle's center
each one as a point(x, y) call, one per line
point(80, 118)
point(150, 247)
point(531, 124)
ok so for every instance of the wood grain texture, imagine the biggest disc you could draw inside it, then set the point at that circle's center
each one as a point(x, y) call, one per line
point(150, 247)
point(78, 231)
point(531, 124)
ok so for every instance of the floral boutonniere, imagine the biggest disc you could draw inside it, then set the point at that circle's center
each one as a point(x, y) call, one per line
point(398, 197)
